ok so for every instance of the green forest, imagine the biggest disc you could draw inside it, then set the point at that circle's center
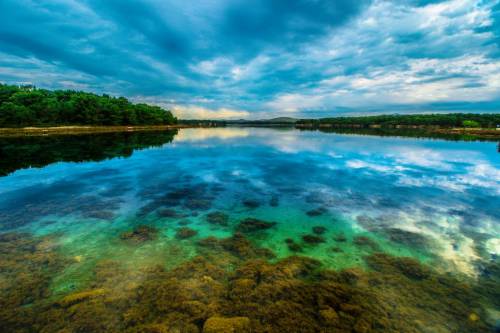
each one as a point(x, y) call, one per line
point(22, 106)
point(472, 120)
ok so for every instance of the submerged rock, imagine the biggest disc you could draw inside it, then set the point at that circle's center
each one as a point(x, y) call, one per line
point(274, 202)
point(217, 218)
point(100, 214)
point(409, 267)
point(140, 234)
point(210, 242)
point(185, 233)
point(407, 238)
point(292, 245)
point(198, 204)
point(168, 212)
point(366, 242)
point(319, 230)
point(237, 245)
point(313, 239)
point(227, 325)
point(316, 212)
point(80, 297)
point(340, 238)
point(251, 203)
point(184, 222)
point(329, 315)
point(249, 225)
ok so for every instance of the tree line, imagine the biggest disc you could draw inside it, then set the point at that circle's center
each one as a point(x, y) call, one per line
point(484, 120)
point(22, 106)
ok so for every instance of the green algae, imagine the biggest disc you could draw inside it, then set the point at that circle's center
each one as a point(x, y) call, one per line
point(234, 286)
point(90, 241)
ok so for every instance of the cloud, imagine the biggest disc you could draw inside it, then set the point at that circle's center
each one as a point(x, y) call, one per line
point(204, 134)
point(196, 112)
point(311, 58)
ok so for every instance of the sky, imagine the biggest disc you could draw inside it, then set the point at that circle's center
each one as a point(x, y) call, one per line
point(261, 58)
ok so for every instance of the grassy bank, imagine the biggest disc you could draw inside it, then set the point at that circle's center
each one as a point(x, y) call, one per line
point(490, 133)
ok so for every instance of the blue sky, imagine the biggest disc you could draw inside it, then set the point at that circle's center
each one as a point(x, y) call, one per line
point(261, 58)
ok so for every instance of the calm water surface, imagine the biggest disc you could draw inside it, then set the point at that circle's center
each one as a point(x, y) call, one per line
point(248, 229)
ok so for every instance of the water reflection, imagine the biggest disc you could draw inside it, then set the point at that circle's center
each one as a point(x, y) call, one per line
point(410, 133)
point(38, 151)
point(252, 230)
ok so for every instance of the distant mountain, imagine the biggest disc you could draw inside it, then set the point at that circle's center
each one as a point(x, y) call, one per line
point(273, 121)
point(278, 120)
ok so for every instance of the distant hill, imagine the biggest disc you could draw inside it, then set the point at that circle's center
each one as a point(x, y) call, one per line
point(278, 120)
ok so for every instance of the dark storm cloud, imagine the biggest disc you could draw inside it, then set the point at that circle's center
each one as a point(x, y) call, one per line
point(275, 56)
point(283, 23)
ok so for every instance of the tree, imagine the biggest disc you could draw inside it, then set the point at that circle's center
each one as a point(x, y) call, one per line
point(29, 106)
point(470, 123)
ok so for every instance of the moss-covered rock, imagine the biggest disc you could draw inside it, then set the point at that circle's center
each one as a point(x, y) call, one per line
point(217, 218)
point(251, 203)
point(316, 212)
point(140, 234)
point(409, 267)
point(185, 233)
point(227, 325)
point(366, 243)
point(250, 225)
point(340, 238)
point(319, 230)
point(313, 239)
point(81, 296)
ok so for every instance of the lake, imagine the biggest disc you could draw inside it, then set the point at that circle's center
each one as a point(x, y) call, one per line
point(248, 229)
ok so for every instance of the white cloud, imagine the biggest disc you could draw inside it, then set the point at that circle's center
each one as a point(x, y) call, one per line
point(203, 134)
point(198, 112)
point(411, 86)
point(295, 102)
point(446, 59)
point(359, 164)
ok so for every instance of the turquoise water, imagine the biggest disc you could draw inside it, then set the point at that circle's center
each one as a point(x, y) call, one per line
point(434, 201)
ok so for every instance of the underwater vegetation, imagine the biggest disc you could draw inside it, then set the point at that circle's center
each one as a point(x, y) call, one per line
point(317, 211)
point(217, 218)
point(249, 225)
point(185, 233)
point(234, 286)
point(313, 239)
point(140, 234)
point(319, 230)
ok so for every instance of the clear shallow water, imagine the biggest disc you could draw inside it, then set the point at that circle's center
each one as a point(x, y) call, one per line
point(323, 209)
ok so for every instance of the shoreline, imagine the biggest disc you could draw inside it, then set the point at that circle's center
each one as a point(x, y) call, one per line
point(35, 131)
point(486, 133)
point(481, 133)
point(489, 133)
